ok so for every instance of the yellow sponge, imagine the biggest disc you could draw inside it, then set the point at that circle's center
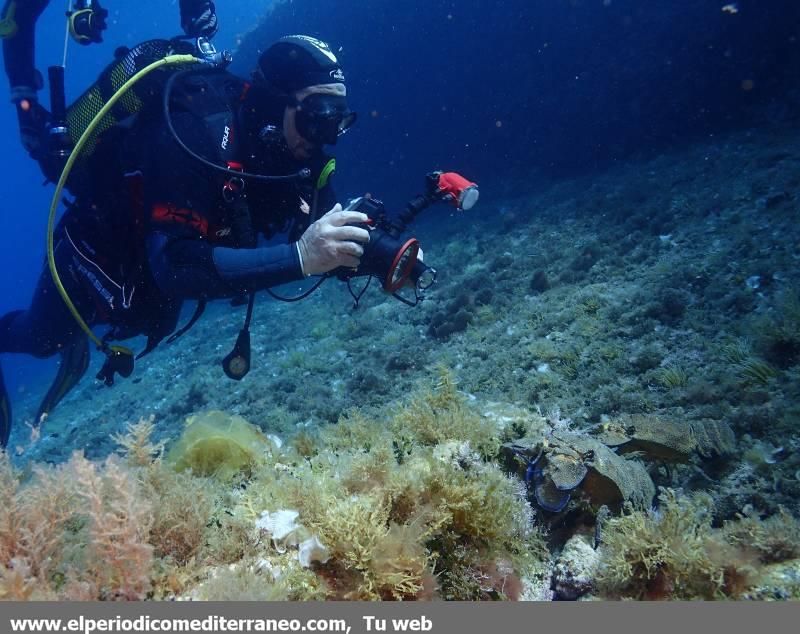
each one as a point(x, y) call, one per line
point(218, 444)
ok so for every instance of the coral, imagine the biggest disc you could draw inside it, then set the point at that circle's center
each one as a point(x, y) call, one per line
point(260, 580)
point(305, 443)
point(219, 445)
point(400, 562)
point(564, 464)
point(778, 582)
point(32, 522)
point(756, 371)
point(231, 538)
point(118, 559)
point(240, 583)
point(398, 508)
point(182, 508)
point(136, 445)
point(442, 414)
point(672, 377)
point(483, 505)
point(354, 431)
point(357, 532)
point(774, 539)
point(669, 441)
point(539, 282)
point(311, 550)
point(672, 553)
point(780, 336)
point(282, 528)
point(746, 365)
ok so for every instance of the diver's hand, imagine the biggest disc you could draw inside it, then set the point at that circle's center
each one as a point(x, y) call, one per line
point(332, 242)
point(198, 18)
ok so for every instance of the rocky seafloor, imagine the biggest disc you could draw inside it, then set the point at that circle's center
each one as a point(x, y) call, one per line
point(599, 399)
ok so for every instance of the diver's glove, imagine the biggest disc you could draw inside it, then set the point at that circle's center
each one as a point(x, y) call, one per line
point(198, 18)
point(332, 241)
point(87, 21)
point(33, 126)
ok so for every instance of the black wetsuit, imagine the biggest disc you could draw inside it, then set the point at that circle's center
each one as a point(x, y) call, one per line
point(155, 227)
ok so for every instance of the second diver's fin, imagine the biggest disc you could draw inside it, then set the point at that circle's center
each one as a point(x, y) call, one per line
point(8, 23)
point(5, 413)
point(74, 363)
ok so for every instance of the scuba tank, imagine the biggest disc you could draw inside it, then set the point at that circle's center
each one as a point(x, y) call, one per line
point(145, 94)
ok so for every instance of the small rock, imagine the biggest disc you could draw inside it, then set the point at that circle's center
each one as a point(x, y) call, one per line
point(574, 572)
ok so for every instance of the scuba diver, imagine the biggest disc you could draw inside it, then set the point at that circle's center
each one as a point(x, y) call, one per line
point(179, 183)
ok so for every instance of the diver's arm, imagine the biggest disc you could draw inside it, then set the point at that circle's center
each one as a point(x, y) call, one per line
point(19, 25)
point(189, 268)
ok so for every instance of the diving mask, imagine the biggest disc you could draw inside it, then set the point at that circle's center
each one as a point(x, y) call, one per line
point(323, 118)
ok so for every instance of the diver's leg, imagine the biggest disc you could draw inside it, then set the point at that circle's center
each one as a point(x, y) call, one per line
point(5, 413)
point(44, 329)
point(73, 365)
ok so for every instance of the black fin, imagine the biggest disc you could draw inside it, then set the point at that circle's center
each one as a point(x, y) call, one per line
point(5, 413)
point(74, 363)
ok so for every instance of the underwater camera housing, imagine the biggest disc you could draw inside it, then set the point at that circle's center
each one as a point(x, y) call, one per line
point(387, 256)
point(392, 258)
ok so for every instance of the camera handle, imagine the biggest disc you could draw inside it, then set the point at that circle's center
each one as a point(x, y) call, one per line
point(418, 204)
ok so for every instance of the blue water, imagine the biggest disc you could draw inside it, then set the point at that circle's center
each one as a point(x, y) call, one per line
point(509, 92)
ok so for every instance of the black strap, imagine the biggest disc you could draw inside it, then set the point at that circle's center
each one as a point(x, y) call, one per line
point(198, 312)
point(302, 296)
point(250, 303)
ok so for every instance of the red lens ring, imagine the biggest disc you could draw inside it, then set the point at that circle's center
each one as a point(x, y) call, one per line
point(388, 286)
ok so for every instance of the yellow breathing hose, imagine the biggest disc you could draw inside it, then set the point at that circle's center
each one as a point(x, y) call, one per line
point(51, 260)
